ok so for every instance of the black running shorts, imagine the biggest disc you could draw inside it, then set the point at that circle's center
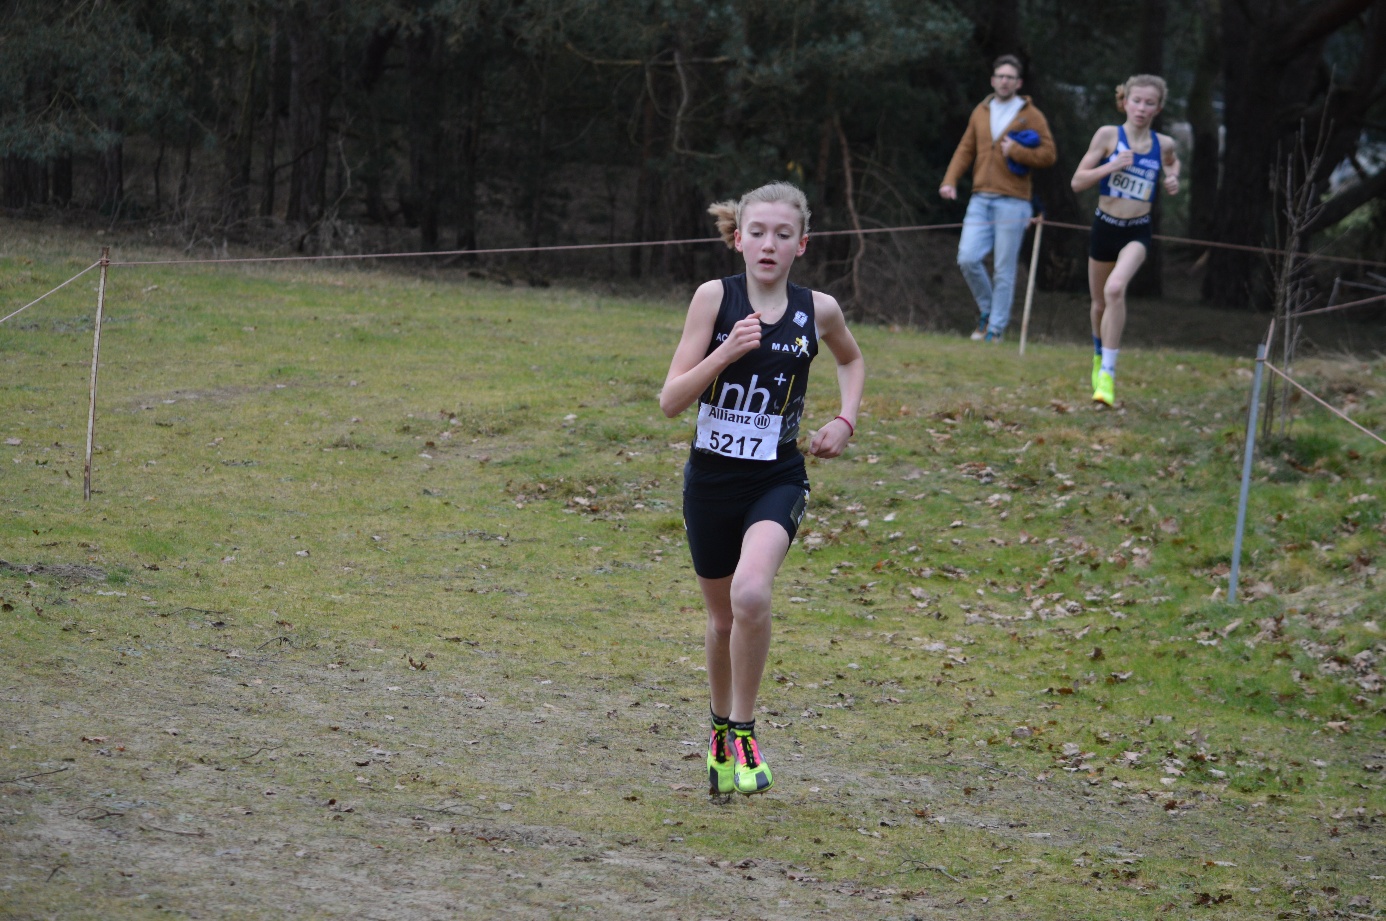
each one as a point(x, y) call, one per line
point(1110, 235)
point(718, 510)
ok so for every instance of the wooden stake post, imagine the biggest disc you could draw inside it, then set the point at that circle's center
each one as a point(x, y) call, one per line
point(1030, 284)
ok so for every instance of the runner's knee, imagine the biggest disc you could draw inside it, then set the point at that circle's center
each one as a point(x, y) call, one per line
point(750, 598)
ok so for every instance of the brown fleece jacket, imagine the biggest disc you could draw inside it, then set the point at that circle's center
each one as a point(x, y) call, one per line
point(989, 170)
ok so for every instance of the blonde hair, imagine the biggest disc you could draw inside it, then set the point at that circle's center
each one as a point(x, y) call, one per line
point(1124, 89)
point(728, 213)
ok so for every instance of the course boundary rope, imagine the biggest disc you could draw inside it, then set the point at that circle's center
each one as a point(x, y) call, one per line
point(42, 296)
point(699, 241)
point(1334, 410)
point(1333, 307)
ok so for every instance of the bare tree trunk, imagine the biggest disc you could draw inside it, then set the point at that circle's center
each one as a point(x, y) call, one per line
point(537, 180)
point(425, 132)
point(113, 172)
point(646, 187)
point(469, 153)
point(159, 175)
point(1203, 163)
point(308, 98)
point(185, 178)
point(239, 144)
point(1252, 92)
point(269, 171)
point(851, 210)
point(1149, 282)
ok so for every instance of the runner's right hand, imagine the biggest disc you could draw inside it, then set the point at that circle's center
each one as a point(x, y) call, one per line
point(744, 337)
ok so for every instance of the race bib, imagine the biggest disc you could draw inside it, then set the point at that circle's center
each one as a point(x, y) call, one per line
point(747, 436)
point(1128, 186)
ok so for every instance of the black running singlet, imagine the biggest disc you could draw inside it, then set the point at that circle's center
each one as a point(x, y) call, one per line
point(755, 405)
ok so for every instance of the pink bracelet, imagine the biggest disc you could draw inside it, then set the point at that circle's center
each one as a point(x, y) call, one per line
point(851, 429)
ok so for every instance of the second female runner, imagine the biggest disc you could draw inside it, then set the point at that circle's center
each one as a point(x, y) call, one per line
point(1129, 163)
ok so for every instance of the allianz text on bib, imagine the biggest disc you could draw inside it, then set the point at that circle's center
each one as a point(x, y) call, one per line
point(747, 436)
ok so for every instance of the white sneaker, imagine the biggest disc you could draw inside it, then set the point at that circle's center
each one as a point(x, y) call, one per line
point(978, 335)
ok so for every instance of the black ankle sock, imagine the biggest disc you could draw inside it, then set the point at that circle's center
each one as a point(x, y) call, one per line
point(718, 722)
point(746, 728)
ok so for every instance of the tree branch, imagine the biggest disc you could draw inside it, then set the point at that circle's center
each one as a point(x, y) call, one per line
point(1305, 24)
point(1346, 202)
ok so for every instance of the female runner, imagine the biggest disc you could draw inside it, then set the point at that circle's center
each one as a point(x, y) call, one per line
point(1126, 161)
point(744, 359)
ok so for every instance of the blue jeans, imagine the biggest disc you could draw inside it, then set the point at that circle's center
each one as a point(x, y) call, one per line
point(994, 224)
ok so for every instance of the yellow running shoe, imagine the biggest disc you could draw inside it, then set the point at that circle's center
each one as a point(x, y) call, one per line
point(1105, 391)
point(1096, 369)
point(721, 764)
point(752, 773)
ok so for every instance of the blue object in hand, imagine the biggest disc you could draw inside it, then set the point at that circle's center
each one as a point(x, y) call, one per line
point(1026, 138)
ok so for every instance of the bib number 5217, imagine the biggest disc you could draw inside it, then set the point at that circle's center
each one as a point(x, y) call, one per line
point(733, 445)
point(746, 436)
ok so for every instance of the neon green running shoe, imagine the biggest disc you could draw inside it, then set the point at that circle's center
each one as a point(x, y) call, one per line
point(752, 773)
point(1096, 369)
point(1105, 391)
point(721, 764)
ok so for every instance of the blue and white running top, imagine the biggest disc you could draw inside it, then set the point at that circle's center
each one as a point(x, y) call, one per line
point(1139, 181)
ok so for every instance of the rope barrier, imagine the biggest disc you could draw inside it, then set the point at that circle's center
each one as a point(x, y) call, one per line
point(1213, 244)
point(696, 241)
point(59, 288)
point(692, 241)
point(508, 250)
point(1365, 300)
point(1273, 369)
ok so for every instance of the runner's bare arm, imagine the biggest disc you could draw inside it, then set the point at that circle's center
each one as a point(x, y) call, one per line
point(1170, 154)
point(693, 369)
point(1091, 169)
point(831, 440)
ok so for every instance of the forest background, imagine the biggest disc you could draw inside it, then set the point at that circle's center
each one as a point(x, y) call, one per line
point(340, 126)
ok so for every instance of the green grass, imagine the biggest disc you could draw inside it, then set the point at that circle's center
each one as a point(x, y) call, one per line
point(382, 599)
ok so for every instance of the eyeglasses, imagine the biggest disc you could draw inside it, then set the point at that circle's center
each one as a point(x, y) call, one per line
point(1005, 77)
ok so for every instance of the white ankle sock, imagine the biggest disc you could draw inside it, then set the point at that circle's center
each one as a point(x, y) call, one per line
point(1109, 358)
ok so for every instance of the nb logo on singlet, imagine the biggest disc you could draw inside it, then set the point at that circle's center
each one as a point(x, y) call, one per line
point(744, 397)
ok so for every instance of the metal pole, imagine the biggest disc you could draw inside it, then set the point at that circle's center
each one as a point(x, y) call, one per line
point(1246, 474)
point(95, 363)
point(1030, 284)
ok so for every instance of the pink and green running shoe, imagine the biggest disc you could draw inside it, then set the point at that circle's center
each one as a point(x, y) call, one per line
point(752, 773)
point(721, 765)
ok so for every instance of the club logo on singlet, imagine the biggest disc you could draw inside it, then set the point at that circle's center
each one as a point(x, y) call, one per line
point(798, 347)
point(800, 318)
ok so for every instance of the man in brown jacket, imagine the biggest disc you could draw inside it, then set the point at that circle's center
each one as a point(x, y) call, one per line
point(1006, 137)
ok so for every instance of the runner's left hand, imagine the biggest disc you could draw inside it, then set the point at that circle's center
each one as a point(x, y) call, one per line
point(831, 440)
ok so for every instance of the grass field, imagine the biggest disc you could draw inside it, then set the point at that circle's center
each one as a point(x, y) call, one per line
point(381, 609)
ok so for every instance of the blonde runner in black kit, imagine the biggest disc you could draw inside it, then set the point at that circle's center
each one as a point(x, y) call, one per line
point(743, 360)
point(745, 466)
